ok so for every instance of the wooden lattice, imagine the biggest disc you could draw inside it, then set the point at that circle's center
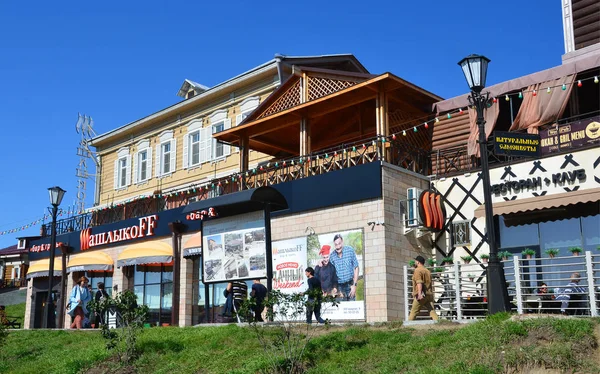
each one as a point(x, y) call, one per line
point(319, 87)
point(289, 99)
point(400, 119)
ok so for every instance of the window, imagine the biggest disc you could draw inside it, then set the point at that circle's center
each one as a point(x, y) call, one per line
point(153, 285)
point(246, 108)
point(166, 153)
point(143, 168)
point(122, 169)
point(196, 145)
point(105, 277)
point(461, 233)
point(219, 122)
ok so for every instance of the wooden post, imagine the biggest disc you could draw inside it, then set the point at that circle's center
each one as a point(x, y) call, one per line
point(176, 229)
point(244, 158)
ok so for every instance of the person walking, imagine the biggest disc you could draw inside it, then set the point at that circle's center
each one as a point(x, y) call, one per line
point(422, 289)
point(80, 296)
point(259, 293)
point(315, 295)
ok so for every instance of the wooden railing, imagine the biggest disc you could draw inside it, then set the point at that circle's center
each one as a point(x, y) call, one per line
point(340, 157)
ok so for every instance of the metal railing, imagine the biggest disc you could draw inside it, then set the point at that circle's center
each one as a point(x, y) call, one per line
point(460, 290)
point(13, 283)
point(342, 156)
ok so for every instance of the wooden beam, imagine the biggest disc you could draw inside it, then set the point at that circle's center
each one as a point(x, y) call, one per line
point(274, 145)
point(244, 153)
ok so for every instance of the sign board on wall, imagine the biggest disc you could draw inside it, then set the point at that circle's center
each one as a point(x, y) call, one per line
point(233, 248)
point(516, 144)
point(292, 256)
point(570, 135)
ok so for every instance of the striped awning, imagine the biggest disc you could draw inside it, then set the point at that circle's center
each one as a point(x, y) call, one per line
point(193, 246)
point(90, 261)
point(152, 252)
point(40, 268)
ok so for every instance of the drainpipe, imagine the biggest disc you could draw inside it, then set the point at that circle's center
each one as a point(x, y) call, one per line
point(98, 180)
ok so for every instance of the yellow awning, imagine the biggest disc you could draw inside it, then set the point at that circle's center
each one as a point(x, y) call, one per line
point(40, 268)
point(146, 253)
point(89, 261)
point(193, 246)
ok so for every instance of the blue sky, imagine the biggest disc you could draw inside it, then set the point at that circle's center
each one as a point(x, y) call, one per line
point(120, 61)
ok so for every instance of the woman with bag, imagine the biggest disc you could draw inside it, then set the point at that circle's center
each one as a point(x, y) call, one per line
point(80, 296)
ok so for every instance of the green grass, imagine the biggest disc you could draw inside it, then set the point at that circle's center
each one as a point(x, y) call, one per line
point(488, 346)
point(18, 311)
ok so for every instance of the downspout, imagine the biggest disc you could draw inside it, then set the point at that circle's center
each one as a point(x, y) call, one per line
point(98, 179)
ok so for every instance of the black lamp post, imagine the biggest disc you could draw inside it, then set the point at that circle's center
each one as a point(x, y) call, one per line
point(475, 69)
point(56, 196)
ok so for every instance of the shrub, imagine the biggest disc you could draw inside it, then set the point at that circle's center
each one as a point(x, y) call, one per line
point(466, 259)
point(528, 252)
point(448, 260)
point(552, 252)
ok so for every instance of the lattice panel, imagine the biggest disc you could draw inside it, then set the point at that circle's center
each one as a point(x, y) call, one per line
point(289, 99)
point(319, 87)
point(402, 119)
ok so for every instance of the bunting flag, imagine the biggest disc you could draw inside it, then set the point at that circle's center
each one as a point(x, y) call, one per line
point(61, 212)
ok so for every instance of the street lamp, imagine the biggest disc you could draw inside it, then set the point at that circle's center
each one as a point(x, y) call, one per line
point(475, 69)
point(56, 196)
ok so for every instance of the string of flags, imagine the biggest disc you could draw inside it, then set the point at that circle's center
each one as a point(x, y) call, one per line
point(61, 212)
point(238, 177)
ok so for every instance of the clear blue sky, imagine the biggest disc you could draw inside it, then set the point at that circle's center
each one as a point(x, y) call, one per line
point(120, 61)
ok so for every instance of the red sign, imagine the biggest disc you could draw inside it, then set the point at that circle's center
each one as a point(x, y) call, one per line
point(432, 210)
point(199, 215)
point(145, 227)
point(44, 247)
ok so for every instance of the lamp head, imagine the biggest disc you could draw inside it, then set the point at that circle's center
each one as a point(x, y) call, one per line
point(474, 68)
point(56, 195)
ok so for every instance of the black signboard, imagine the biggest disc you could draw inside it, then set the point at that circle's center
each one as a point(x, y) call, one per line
point(516, 144)
point(570, 135)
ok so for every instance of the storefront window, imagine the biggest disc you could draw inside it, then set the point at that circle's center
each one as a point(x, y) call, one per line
point(153, 285)
point(590, 228)
point(105, 277)
point(518, 236)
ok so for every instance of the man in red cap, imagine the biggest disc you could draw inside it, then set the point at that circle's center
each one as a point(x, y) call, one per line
point(325, 272)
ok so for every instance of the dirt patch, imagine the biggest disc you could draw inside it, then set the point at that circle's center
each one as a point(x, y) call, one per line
point(111, 365)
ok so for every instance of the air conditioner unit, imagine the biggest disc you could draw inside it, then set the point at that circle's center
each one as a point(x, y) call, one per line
point(411, 216)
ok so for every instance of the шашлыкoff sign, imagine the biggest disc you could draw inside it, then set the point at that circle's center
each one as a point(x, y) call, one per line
point(516, 144)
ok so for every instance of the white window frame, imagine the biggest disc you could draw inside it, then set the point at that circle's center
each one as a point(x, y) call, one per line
point(143, 146)
point(246, 107)
point(467, 241)
point(166, 138)
point(216, 119)
point(122, 155)
point(195, 127)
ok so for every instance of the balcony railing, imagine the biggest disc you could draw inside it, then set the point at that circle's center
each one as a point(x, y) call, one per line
point(460, 289)
point(340, 157)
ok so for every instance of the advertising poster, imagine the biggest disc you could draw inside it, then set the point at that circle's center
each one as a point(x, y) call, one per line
point(338, 260)
point(234, 248)
point(289, 264)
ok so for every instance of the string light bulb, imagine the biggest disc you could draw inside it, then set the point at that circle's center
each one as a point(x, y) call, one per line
point(534, 93)
point(596, 80)
point(548, 90)
point(437, 120)
point(449, 116)
point(579, 84)
point(394, 136)
point(415, 129)
point(403, 132)
point(564, 87)
point(426, 125)
point(506, 98)
point(494, 100)
point(521, 95)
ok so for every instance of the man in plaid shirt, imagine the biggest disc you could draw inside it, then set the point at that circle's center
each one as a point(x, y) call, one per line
point(346, 267)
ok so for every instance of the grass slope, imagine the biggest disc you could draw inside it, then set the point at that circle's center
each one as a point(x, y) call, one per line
point(495, 345)
point(16, 311)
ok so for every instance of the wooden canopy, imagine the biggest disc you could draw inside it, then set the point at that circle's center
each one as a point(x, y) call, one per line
point(316, 109)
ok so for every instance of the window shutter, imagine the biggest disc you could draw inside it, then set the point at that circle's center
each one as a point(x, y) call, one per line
point(116, 180)
point(128, 171)
point(158, 162)
point(186, 141)
point(238, 119)
point(226, 147)
point(149, 164)
point(173, 155)
point(134, 165)
point(206, 144)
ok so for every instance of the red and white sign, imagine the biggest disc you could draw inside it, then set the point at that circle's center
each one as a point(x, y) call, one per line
point(44, 247)
point(289, 259)
point(200, 214)
point(144, 228)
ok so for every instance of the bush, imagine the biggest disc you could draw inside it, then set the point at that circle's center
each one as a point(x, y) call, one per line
point(130, 321)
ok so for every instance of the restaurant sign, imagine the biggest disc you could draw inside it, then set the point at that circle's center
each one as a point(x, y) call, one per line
point(570, 135)
point(516, 144)
point(44, 247)
point(145, 227)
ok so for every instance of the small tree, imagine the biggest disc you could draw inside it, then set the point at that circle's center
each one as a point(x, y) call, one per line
point(284, 341)
point(130, 321)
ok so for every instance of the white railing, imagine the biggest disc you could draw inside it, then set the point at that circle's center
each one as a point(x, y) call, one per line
point(460, 290)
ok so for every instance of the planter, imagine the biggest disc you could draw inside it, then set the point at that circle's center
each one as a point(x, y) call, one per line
point(576, 253)
point(528, 257)
point(485, 260)
point(551, 256)
point(166, 324)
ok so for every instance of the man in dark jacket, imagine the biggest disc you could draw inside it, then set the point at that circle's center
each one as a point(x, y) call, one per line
point(259, 293)
point(315, 294)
